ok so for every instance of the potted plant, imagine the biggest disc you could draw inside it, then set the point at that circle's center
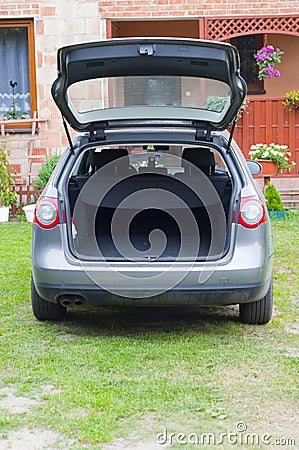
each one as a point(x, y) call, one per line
point(266, 59)
point(274, 204)
point(291, 100)
point(7, 196)
point(14, 113)
point(29, 212)
point(276, 154)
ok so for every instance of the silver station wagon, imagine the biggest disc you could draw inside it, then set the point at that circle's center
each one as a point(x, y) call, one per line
point(153, 202)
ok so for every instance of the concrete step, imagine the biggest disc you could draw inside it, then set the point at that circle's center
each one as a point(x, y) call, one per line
point(289, 197)
point(288, 189)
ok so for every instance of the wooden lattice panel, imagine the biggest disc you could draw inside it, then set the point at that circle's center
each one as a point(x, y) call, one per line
point(222, 29)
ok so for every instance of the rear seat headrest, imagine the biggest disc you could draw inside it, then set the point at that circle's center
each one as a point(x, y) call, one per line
point(200, 157)
point(155, 170)
point(100, 159)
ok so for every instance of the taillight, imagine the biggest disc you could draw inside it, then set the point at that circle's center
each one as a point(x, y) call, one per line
point(46, 212)
point(252, 212)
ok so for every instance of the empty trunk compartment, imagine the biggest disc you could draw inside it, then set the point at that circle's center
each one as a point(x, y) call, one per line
point(149, 216)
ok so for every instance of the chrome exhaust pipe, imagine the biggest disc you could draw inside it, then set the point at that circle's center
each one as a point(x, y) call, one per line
point(65, 301)
point(78, 301)
point(71, 300)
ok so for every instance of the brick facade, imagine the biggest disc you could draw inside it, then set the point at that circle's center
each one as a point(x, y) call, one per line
point(59, 22)
point(184, 8)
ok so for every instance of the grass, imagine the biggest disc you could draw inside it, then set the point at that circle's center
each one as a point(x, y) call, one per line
point(108, 374)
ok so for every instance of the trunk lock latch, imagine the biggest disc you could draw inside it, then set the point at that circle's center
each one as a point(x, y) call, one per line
point(146, 49)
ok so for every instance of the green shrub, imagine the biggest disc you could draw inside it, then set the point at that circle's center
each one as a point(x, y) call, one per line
point(45, 171)
point(7, 196)
point(273, 199)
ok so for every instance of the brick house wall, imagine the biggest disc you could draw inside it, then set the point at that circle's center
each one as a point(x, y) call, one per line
point(57, 23)
point(60, 22)
point(195, 8)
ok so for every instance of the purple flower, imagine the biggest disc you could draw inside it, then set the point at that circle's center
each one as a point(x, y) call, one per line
point(260, 58)
point(266, 58)
point(268, 69)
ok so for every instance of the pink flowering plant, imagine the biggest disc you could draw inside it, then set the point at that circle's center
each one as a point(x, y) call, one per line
point(266, 59)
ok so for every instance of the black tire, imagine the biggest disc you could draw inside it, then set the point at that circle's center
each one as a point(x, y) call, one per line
point(45, 310)
point(257, 313)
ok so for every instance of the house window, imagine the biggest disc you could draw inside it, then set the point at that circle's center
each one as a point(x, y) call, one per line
point(17, 62)
point(248, 46)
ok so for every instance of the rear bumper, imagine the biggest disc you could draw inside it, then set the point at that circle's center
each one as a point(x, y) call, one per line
point(242, 277)
point(207, 295)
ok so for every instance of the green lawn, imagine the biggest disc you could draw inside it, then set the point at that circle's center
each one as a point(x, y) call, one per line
point(123, 376)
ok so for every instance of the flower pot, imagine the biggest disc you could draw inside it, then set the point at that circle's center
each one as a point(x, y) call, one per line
point(4, 213)
point(269, 167)
point(29, 211)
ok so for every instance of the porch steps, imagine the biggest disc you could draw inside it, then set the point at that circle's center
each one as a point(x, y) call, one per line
point(288, 187)
point(290, 197)
point(289, 190)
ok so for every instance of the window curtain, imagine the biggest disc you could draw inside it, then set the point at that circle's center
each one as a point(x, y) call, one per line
point(14, 67)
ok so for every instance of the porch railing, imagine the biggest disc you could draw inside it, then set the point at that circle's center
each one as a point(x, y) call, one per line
point(25, 196)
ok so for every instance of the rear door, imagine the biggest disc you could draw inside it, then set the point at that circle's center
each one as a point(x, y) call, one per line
point(155, 79)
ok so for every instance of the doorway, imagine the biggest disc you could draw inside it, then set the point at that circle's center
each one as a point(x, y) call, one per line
point(180, 28)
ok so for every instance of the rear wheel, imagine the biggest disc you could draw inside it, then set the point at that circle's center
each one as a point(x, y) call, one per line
point(257, 313)
point(45, 310)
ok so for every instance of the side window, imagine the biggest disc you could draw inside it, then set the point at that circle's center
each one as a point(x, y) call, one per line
point(18, 74)
point(248, 46)
point(220, 165)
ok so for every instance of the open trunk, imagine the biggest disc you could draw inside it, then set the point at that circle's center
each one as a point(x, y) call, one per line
point(151, 88)
point(150, 216)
